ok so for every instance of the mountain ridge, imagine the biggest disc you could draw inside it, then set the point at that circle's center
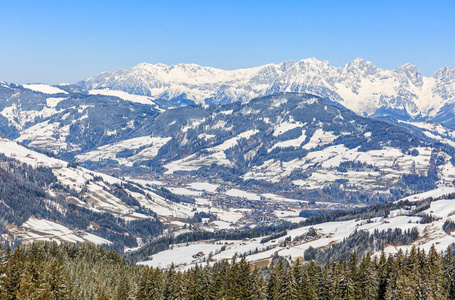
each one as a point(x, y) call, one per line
point(359, 85)
point(302, 139)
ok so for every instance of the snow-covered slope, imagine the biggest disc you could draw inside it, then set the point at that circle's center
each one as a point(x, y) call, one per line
point(300, 139)
point(328, 233)
point(104, 204)
point(78, 178)
point(50, 117)
point(359, 85)
point(293, 138)
point(45, 89)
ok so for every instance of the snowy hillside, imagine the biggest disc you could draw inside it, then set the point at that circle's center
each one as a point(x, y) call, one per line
point(106, 208)
point(359, 85)
point(290, 139)
point(322, 236)
point(299, 141)
point(51, 118)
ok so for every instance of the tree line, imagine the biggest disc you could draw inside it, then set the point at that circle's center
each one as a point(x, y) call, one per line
point(47, 270)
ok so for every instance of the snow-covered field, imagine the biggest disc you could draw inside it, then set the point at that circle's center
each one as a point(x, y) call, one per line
point(123, 95)
point(44, 230)
point(216, 155)
point(45, 89)
point(436, 193)
point(180, 255)
point(204, 186)
point(184, 191)
point(149, 148)
point(436, 131)
point(97, 197)
point(242, 194)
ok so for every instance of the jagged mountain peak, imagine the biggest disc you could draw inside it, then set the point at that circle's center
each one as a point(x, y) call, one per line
point(360, 67)
point(359, 85)
point(314, 61)
point(412, 73)
point(359, 63)
point(445, 73)
point(409, 68)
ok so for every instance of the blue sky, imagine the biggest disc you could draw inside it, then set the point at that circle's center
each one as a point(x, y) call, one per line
point(66, 41)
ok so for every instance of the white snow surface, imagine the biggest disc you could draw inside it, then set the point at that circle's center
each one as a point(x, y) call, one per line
point(179, 255)
point(184, 191)
point(124, 96)
point(53, 101)
point(43, 88)
point(204, 186)
point(151, 147)
point(436, 193)
point(41, 229)
point(285, 127)
point(291, 143)
point(215, 155)
point(242, 194)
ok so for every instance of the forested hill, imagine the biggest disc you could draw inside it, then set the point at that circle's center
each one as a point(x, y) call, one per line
point(296, 140)
point(289, 139)
point(46, 198)
point(44, 270)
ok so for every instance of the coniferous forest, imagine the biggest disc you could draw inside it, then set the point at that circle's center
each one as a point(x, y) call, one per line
point(46, 270)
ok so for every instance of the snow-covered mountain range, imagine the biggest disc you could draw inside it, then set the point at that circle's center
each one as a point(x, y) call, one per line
point(133, 121)
point(359, 85)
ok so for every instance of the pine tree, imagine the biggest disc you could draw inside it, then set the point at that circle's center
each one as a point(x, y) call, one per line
point(45, 293)
point(195, 282)
point(326, 281)
point(258, 287)
point(151, 285)
point(436, 275)
point(123, 289)
point(414, 271)
point(13, 271)
point(291, 287)
point(175, 287)
point(220, 279)
point(27, 288)
point(383, 275)
point(206, 283)
point(352, 288)
point(101, 296)
point(398, 287)
point(241, 283)
point(276, 282)
point(340, 280)
point(449, 273)
point(368, 279)
point(55, 280)
point(308, 286)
